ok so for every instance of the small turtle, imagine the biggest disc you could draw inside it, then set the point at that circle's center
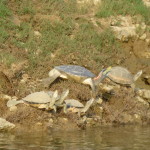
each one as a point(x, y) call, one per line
point(77, 73)
point(76, 106)
point(42, 100)
point(122, 76)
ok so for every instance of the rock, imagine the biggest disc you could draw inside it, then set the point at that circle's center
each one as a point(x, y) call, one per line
point(13, 108)
point(147, 78)
point(139, 99)
point(25, 78)
point(124, 33)
point(147, 41)
point(143, 37)
point(95, 2)
point(144, 93)
point(143, 26)
point(99, 100)
point(106, 87)
point(137, 118)
point(37, 34)
point(39, 123)
point(146, 2)
point(5, 125)
point(5, 97)
point(63, 120)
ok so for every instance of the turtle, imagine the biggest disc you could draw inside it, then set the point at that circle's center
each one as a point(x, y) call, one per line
point(121, 75)
point(42, 100)
point(77, 73)
point(76, 106)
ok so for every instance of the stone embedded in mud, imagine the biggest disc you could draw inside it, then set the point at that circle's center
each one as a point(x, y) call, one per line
point(95, 2)
point(147, 78)
point(143, 37)
point(99, 100)
point(139, 99)
point(144, 93)
point(106, 87)
point(13, 108)
point(5, 125)
point(137, 118)
point(124, 33)
point(146, 2)
point(25, 78)
point(5, 97)
point(37, 34)
point(126, 28)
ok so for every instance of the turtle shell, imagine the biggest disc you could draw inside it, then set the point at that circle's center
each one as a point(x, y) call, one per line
point(37, 98)
point(74, 103)
point(75, 70)
point(120, 75)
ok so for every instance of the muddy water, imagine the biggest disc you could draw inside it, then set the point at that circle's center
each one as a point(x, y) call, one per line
point(105, 138)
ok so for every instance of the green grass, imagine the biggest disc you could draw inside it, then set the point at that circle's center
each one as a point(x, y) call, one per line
point(4, 11)
point(124, 7)
point(7, 58)
point(25, 7)
point(83, 44)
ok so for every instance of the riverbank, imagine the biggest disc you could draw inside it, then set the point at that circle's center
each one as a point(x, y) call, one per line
point(35, 36)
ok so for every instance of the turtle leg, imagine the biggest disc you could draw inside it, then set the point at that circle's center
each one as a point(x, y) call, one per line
point(90, 82)
point(53, 75)
point(62, 97)
point(87, 106)
point(65, 108)
point(51, 105)
point(133, 87)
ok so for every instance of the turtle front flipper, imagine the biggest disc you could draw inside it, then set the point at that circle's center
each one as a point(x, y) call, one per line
point(62, 97)
point(53, 75)
point(87, 106)
point(51, 105)
point(137, 75)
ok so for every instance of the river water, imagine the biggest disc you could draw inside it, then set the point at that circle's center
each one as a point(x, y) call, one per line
point(104, 138)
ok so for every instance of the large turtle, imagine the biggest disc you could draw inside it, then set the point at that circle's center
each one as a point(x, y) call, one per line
point(42, 100)
point(122, 76)
point(77, 73)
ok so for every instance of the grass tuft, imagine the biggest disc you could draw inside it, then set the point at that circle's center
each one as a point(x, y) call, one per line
point(124, 7)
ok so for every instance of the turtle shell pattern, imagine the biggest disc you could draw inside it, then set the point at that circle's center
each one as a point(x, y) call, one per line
point(75, 70)
point(74, 103)
point(120, 75)
point(37, 98)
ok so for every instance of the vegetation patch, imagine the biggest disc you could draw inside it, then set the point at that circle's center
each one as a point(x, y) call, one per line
point(124, 7)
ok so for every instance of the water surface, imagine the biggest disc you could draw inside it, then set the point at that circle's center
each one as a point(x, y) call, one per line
point(104, 138)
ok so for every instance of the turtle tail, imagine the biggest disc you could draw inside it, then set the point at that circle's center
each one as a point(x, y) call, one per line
point(137, 75)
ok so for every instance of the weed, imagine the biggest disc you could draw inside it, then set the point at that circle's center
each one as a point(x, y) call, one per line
point(7, 58)
point(4, 11)
point(124, 7)
point(3, 35)
point(26, 7)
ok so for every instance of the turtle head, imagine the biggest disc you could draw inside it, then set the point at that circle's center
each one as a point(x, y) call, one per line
point(102, 75)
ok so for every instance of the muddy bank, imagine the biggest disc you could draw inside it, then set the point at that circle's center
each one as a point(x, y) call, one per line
point(122, 108)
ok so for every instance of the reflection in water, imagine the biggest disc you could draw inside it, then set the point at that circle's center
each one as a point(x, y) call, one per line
point(105, 138)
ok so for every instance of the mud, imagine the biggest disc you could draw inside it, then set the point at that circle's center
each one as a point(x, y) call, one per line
point(119, 109)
